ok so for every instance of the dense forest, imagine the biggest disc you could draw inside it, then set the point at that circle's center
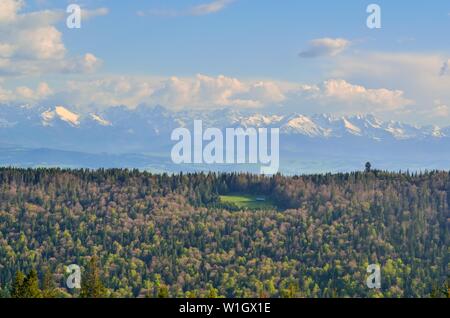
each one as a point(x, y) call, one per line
point(137, 234)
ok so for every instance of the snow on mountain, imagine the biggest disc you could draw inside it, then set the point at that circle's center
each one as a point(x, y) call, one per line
point(308, 143)
point(317, 126)
point(259, 120)
point(404, 131)
point(434, 131)
point(160, 121)
point(60, 113)
point(100, 120)
point(299, 124)
point(351, 128)
point(47, 117)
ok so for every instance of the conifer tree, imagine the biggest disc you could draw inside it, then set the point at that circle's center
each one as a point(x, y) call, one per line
point(31, 285)
point(91, 283)
point(26, 286)
point(163, 292)
point(17, 286)
point(48, 285)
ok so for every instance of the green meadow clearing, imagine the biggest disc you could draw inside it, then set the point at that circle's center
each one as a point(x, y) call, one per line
point(247, 201)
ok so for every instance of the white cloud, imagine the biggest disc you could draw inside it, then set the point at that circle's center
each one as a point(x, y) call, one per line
point(9, 9)
point(6, 50)
point(201, 92)
point(24, 94)
point(439, 110)
point(85, 64)
point(6, 95)
point(335, 96)
point(30, 43)
point(106, 92)
point(211, 7)
point(325, 47)
point(199, 10)
point(216, 92)
point(423, 76)
point(260, 94)
point(43, 42)
point(341, 97)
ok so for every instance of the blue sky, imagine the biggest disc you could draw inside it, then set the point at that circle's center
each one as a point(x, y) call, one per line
point(250, 38)
point(242, 53)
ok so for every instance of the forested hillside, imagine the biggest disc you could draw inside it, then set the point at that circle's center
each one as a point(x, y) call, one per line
point(171, 236)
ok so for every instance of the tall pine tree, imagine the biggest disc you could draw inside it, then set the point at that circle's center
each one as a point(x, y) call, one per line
point(91, 283)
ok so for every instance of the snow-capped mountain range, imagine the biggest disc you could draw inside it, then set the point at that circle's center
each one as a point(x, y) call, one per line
point(327, 126)
point(146, 130)
point(160, 119)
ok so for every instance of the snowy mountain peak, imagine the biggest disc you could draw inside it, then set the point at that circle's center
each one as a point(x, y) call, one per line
point(161, 121)
point(302, 125)
point(66, 115)
point(62, 114)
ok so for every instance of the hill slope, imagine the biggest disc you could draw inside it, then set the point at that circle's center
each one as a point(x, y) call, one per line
point(156, 231)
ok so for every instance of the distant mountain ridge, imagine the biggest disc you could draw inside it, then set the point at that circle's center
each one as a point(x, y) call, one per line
point(157, 117)
point(308, 143)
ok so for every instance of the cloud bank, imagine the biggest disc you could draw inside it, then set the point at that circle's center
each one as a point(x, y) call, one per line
point(30, 43)
point(424, 76)
point(204, 92)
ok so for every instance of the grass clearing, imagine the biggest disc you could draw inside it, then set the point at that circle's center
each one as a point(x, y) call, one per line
point(252, 202)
